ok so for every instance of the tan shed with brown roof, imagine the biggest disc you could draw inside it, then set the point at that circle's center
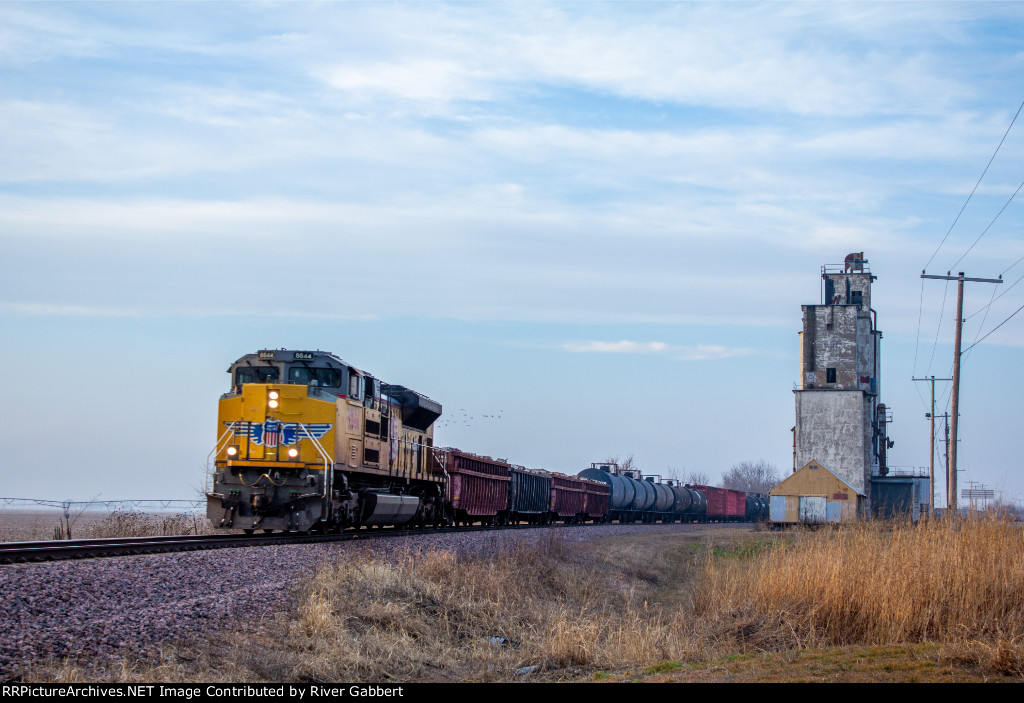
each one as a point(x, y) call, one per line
point(814, 494)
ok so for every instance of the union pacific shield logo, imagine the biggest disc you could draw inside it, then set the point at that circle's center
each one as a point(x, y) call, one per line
point(273, 433)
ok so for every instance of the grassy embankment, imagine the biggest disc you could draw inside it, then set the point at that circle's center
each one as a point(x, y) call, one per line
point(936, 602)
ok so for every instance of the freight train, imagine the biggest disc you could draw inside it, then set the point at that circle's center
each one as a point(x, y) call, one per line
point(307, 442)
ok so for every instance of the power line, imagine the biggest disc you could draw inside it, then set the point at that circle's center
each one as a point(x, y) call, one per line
point(996, 327)
point(920, 309)
point(942, 313)
point(1011, 266)
point(975, 188)
point(995, 298)
point(981, 325)
point(1006, 205)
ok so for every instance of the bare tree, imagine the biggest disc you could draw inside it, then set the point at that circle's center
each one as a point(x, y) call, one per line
point(698, 478)
point(674, 474)
point(1008, 509)
point(752, 476)
point(627, 464)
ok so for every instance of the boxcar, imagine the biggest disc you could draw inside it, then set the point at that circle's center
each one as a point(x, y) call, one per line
point(724, 504)
point(735, 505)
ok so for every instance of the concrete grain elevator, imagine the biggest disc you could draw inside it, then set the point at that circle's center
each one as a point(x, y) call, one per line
point(840, 421)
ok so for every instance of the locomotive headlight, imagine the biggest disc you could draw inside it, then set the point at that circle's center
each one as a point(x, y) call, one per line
point(273, 395)
point(293, 452)
point(272, 399)
point(232, 451)
point(272, 403)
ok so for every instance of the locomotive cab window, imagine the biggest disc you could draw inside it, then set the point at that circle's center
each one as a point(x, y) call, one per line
point(355, 386)
point(256, 374)
point(304, 375)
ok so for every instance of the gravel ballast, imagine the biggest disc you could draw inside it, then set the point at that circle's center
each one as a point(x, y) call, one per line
point(97, 609)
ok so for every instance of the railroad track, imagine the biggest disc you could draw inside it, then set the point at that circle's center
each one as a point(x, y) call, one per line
point(59, 550)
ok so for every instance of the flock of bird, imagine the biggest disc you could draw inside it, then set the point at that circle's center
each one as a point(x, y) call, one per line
point(461, 416)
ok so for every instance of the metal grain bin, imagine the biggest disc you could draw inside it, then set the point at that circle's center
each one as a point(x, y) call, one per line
point(529, 493)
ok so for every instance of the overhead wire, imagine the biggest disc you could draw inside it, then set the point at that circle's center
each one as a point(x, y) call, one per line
point(978, 339)
point(992, 301)
point(1007, 204)
point(942, 313)
point(986, 308)
point(917, 343)
point(995, 328)
point(975, 187)
point(920, 309)
point(995, 298)
point(1011, 266)
point(981, 325)
point(924, 403)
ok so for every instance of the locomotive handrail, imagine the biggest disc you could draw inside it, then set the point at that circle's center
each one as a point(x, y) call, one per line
point(440, 455)
point(215, 450)
point(328, 461)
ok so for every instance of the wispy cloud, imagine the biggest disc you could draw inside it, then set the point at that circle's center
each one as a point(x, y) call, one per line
point(702, 352)
point(620, 347)
point(698, 352)
point(804, 59)
point(36, 309)
point(428, 80)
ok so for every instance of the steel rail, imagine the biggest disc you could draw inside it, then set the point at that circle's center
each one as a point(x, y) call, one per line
point(59, 550)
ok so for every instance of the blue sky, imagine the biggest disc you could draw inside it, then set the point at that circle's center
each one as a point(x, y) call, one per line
point(597, 221)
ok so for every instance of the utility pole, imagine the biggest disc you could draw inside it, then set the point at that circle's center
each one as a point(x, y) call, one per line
point(945, 417)
point(931, 443)
point(954, 411)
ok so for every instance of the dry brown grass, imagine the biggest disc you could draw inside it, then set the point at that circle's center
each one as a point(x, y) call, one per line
point(440, 616)
point(132, 523)
point(33, 525)
point(956, 583)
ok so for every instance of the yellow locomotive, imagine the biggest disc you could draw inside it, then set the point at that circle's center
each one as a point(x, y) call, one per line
point(307, 442)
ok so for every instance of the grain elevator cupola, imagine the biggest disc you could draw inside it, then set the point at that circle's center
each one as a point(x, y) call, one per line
point(839, 419)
